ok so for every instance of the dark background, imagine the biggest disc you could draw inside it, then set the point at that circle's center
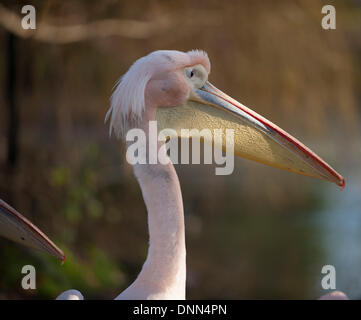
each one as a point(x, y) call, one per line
point(259, 233)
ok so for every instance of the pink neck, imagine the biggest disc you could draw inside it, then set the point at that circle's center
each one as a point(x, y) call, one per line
point(164, 272)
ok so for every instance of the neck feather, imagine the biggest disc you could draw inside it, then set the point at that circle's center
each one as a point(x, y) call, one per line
point(164, 272)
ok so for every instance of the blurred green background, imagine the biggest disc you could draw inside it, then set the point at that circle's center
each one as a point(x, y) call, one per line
point(259, 233)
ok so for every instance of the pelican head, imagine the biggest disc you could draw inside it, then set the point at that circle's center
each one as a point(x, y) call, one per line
point(172, 87)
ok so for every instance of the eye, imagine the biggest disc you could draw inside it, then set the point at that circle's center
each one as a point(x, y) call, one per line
point(195, 75)
point(191, 73)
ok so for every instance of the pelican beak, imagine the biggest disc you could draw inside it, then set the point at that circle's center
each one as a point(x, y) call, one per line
point(16, 227)
point(255, 137)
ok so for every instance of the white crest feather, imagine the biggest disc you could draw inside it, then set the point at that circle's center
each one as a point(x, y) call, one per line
point(127, 102)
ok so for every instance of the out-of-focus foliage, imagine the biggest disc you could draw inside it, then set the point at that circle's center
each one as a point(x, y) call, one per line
point(250, 235)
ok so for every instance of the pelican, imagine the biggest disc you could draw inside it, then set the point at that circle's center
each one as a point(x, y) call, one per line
point(172, 88)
